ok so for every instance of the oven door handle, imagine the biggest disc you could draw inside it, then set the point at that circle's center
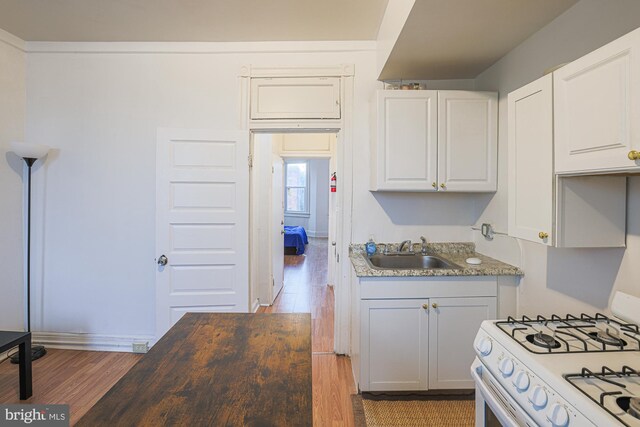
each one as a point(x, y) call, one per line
point(506, 419)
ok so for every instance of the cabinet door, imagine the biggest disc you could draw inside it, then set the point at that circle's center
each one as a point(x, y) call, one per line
point(530, 121)
point(295, 98)
point(394, 353)
point(453, 325)
point(404, 147)
point(597, 108)
point(467, 141)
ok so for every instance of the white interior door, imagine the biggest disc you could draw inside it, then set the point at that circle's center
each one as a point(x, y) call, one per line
point(277, 225)
point(202, 223)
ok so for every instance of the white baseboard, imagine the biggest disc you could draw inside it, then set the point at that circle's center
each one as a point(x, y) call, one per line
point(255, 305)
point(314, 233)
point(95, 342)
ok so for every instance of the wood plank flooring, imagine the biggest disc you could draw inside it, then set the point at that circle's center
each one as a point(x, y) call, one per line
point(76, 378)
point(81, 378)
point(306, 290)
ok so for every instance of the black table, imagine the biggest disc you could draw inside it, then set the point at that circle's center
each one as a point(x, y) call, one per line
point(9, 340)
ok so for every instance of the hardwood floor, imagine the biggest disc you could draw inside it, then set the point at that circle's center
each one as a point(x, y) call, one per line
point(306, 291)
point(76, 378)
point(81, 378)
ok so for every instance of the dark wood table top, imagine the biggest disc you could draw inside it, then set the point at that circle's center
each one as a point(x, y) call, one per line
point(217, 369)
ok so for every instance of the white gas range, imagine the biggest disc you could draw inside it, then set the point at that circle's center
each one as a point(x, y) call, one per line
point(573, 370)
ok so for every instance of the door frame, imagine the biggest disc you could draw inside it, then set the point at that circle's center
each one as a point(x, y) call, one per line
point(343, 128)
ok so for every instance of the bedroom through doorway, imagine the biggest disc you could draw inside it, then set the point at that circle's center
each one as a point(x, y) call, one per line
point(293, 227)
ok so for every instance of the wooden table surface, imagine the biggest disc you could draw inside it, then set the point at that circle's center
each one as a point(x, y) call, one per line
point(218, 369)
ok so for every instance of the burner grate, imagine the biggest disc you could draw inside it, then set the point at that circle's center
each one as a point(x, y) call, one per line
point(553, 335)
point(612, 377)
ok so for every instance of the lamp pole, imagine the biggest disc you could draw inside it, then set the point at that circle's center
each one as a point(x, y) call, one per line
point(30, 153)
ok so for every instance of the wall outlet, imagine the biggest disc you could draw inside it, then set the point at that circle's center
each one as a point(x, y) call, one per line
point(140, 347)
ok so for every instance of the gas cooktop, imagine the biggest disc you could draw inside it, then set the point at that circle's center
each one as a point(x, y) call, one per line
point(572, 334)
point(617, 392)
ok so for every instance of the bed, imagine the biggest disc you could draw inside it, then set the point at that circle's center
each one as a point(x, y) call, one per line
point(295, 237)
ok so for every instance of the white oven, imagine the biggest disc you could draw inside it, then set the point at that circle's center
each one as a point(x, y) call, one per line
point(560, 371)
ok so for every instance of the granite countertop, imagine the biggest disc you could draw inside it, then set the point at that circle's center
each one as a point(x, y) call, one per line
point(455, 253)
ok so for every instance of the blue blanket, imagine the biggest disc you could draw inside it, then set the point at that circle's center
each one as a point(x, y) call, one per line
point(295, 237)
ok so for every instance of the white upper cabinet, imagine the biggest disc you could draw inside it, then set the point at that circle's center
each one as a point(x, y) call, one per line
point(434, 141)
point(404, 141)
point(551, 210)
point(530, 173)
point(467, 140)
point(295, 98)
point(597, 109)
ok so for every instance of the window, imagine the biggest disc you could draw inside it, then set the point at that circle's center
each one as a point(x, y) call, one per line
point(296, 180)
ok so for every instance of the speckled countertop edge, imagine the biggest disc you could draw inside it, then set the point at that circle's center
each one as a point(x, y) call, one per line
point(455, 253)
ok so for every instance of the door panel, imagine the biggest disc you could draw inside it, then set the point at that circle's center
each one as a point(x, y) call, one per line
point(453, 325)
point(202, 223)
point(277, 225)
point(531, 195)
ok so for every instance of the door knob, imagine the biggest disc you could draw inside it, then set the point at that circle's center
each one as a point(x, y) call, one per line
point(543, 235)
point(434, 305)
point(163, 260)
point(425, 306)
point(281, 231)
point(434, 185)
point(443, 186)
point(634, 155)
point(333, 243)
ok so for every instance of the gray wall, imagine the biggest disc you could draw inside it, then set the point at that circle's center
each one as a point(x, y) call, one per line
point(561, 280)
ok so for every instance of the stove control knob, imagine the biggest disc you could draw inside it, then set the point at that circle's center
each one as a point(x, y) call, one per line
point(538, 397)
point(558, 415)
point(521, 381)
point(484, 346)
point(506, 367)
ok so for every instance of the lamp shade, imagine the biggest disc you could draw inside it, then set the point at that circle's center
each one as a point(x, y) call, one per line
point(29, 151)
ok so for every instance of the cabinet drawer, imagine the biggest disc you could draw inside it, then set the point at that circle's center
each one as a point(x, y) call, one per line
point(428, 287)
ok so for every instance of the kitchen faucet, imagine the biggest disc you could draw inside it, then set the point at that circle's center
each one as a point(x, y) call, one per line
point(406, 242)
point(424, 245)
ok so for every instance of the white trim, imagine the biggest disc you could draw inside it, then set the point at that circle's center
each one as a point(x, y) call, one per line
point(256, 305)
point(199, 47)
point(318, 234)
point(344, 157)
point(11, 40)
point(95, 342)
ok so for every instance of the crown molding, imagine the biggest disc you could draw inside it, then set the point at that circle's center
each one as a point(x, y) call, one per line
point(13, 41)
point(199, 47)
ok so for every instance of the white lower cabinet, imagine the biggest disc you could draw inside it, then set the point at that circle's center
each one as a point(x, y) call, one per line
point(453, 324)
point(419, 344)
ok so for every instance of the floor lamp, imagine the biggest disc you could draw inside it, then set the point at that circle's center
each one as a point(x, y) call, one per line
point(30, 153)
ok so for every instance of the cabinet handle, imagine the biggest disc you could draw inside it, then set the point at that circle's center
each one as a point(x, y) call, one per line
point(434, 185)
point(425, 306)
point(543, 235)
point(443, 186)
point(434, 305)
point(634, 155)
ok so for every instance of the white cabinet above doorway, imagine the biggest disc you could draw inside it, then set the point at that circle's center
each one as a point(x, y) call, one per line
point(429, 140)
point(295, 98)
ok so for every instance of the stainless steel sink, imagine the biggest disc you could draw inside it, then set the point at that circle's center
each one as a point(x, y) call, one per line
point(408, 262)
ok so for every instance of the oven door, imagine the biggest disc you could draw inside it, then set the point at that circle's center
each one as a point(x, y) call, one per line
point(494, 406)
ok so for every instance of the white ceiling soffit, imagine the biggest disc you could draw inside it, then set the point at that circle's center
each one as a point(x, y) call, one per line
point(192, 20)
point(458, 39)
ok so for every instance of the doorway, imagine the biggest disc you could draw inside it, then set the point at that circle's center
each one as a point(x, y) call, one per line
point(293, 213)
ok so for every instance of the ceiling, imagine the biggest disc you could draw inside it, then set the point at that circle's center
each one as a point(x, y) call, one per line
point(458, 39)
point(441, 39)
point(192, 20)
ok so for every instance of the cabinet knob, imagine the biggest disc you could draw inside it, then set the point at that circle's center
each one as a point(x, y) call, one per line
point(443, 186)
point(543, 235)
point(434, 185)
point(634, 155)
point(425, 306)
point(434, 305)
